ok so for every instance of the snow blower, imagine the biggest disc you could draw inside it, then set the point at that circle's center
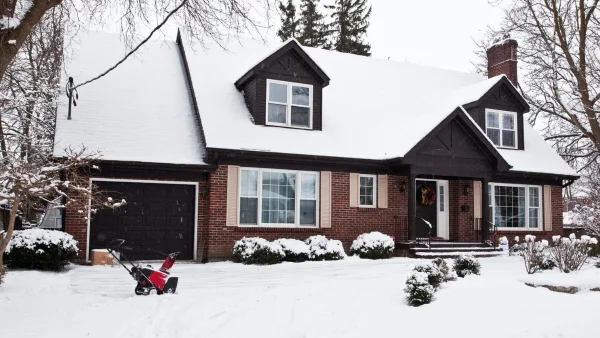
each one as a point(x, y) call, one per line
point(149, 280)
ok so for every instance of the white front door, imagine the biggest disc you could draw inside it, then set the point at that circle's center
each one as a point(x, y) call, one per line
point(443, 219)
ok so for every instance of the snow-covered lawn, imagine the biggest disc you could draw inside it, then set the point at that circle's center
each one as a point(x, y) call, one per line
point(350, 298)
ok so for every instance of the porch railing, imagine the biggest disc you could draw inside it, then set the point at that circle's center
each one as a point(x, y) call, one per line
point(493, 230)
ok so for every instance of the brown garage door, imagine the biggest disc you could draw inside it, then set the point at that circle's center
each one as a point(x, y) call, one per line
point(157, 217)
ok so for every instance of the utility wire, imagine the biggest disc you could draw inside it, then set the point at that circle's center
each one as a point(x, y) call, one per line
point(136, 47)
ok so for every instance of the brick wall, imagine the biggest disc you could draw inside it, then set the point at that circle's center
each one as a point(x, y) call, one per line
point(502, 59)
point(461, 222)
point(347, 223)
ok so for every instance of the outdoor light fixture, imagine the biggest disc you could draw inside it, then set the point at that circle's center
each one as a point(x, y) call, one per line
point(403, 187)
point(204, 192)
point(466, 190)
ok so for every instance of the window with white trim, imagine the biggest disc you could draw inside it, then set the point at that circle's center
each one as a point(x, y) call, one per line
point(289, 104)
point(516, 206)
point(367, 191)
point(270, 197)
point(501, 127)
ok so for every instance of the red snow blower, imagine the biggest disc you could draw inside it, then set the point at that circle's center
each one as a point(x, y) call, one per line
point(149, 280)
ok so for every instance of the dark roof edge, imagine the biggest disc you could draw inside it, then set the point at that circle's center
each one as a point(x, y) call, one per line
point(161, 166)
point(503, 80)
point(190, 85)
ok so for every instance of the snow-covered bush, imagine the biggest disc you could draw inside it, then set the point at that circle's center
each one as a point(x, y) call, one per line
point(448, 274)
point(434, 276)
point(418, 290)
point(40, 249)
point(570, 253)
point(323, 249)
point(466, 265)
point(256, 250)
point(535, 255)
point(373, 245)
point(295, 250)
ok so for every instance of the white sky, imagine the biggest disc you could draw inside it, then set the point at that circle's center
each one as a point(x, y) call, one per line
point(437, 33)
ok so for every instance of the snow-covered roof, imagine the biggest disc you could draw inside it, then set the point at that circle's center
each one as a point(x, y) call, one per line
point(142, 111)
point(372, 109)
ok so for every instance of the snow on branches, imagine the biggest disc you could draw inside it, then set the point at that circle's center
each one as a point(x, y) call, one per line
point(587, 217)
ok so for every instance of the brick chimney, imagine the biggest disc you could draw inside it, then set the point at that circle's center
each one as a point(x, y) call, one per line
point(502, 58)
point(7, 7)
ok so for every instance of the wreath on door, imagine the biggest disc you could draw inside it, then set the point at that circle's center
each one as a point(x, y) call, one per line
point(426, 195)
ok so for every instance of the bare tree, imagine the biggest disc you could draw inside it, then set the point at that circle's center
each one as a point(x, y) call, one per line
point(559, 50)
point(201, 20)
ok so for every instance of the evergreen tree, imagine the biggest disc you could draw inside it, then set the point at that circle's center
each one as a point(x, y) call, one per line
point(289, 22)
point(350, 23)
point(314, 31)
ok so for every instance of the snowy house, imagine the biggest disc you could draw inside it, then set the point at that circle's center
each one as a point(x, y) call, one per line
point(286, 141)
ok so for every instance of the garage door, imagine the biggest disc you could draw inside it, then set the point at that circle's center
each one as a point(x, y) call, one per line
point(157, 217)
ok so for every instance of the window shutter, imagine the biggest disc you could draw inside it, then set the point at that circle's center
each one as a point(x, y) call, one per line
point(353, 190)
point(231, 217)
point(325, 199)
point(382, 191)
point(547, 208)
point(477, 207)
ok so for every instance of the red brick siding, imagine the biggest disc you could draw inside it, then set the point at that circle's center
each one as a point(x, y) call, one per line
point(347, 223)
point(461, 222)
point(502, 59)
point(76, 223)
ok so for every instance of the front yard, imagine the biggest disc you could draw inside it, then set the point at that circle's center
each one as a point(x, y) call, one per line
point(349, 298)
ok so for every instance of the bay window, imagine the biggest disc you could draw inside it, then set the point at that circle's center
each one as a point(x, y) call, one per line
point(278, 197)
point(515, 206)
point(289, 104)
point(501, 127)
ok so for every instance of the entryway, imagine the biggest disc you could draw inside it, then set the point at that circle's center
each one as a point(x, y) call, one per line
point(432, 206)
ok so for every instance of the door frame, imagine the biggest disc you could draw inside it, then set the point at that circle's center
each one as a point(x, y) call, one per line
point(446, 227)
point(89, 218)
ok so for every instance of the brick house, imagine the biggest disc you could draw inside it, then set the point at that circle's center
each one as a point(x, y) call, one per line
point(212, 146)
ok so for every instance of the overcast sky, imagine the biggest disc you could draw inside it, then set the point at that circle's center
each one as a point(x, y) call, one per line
point(431, 32)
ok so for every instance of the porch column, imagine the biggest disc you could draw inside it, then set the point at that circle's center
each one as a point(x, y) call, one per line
point(412, 207)
point(485, 210)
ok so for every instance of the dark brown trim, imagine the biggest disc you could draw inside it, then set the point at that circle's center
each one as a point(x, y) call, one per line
point(458, 113)
point(521, 177)
point(292, 44)
point(158, 171)
point(190, 84)
point(511, 89)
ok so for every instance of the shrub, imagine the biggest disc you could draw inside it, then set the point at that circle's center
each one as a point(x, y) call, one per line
point(373, 245)
point(571, 253)
point(434, 276)
point(40, 249)
point(535, 255)
point(418, 290)
point(323, 249)
point(466, 265)
point(256, 250)
point(295, 250)
point(441, 264)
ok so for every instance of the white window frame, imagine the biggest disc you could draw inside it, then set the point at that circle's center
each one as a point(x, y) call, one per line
point(492, 203)
point(289, 104)
point(500, 128)
point(374, 191)
point(298, 187)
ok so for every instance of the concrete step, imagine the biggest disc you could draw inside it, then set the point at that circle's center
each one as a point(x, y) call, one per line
point(455, 254)
point(459, 245)
point(453, 249)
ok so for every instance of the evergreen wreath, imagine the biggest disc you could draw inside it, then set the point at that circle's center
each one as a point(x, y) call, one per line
point(426, 195)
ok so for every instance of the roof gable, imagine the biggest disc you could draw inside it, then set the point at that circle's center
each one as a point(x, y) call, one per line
point(502, 93)
point(289, 59)
point(456, 137)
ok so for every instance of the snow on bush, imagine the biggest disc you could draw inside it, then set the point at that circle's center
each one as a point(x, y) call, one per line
point(570, 253)
point(535, 255)
point(40, 249)
point(256, 250)
point(322, 248)
point(466, 265)
point(418, 290)
point(295, 250)
point(373, 245)
point(434, 276)
point(448, 274)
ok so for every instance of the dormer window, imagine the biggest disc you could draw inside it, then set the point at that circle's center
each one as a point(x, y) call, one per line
point(501, 128)
point(289, 104)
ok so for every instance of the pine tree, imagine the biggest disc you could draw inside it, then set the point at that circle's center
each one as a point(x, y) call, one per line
point(350, 23)
point(314, 31)
point(289, 22)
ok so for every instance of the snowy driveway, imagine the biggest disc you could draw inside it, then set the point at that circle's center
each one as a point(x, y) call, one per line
point(351, 298)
